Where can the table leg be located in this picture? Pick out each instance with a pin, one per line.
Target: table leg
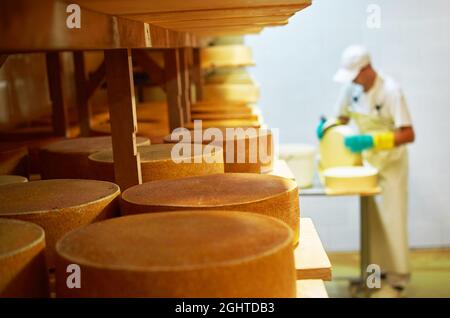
(365, 247)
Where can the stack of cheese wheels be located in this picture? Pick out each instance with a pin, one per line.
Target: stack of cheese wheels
(249, 149)
(263, 194)
(166, 161)
(9, 179)
(23, 271)
(180, 254)
(231, 92)
(13, 159)
(68, 159)
(226, 56)
(351, 179)
(60, 205)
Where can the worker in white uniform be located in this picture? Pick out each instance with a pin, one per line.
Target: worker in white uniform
(375, 102)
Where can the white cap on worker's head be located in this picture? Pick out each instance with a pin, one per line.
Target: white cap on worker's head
(354, 59)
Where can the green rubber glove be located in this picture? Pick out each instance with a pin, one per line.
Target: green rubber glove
(319, 129)
(359, 143)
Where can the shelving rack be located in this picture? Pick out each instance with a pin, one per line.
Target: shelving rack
(125, 30)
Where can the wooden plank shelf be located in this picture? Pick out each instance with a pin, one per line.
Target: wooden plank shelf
(311, 260)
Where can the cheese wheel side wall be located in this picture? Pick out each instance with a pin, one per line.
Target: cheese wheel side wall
(274, 275)
(24, 274)
(285, 207)
(152, 171)
(63, 165)
(57, 223)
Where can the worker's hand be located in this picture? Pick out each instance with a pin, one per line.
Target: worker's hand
(320, 128)
(378, 141)
(359, 143)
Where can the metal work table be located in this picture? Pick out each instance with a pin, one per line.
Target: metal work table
(318, 190)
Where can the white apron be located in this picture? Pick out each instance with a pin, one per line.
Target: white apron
(388, 232)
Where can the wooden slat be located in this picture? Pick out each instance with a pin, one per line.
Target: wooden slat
(60, 120)
(122, 109)
(185, 84)
(197, 75)
(311, 260)
(212, 14)
(84, 112)
(311, 288)
(31, 26)
(144, 6)
(173, 88)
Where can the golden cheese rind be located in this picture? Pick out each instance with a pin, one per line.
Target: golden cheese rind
(181, 254)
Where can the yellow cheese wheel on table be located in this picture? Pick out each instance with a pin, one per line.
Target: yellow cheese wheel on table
(59, 206)
(263, 194)
(180, 254)
(68, 159)
(23, 271)
(158, 163)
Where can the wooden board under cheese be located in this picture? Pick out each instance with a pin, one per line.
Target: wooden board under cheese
(217, 254)
(68, 159)
(263, 194)
(23, 271)
(59, 206)
(158, 162)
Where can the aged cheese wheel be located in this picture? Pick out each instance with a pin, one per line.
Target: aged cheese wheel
(59, 205)
(68, 159)
(221, 116)
(23, 271)
(231, 92)
(249, 150)
(157, 162)
(229, 76)
(263, 194)
(13, 159)
(227, 123)
(8, 179)
(226, 56)
(351, 179)
(180, 254)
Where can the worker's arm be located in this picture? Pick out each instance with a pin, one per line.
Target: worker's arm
(404, 135)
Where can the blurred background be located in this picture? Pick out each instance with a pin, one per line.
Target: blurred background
(295, 65)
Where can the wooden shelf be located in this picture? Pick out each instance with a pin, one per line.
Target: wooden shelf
(281, 169)
(311, 260)
(311, 288)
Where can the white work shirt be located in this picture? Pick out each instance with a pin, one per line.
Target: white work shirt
(384, 100)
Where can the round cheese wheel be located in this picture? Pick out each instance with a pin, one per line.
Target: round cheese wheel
(59, 205)
(68, 159)
(333, 152)
(231, 92)
(351, 179)
(23, 272)
(263, 194)
(181, 254)
(162, 162)
(226, 56)
(249, 149)
(13, 159)
(8, 179)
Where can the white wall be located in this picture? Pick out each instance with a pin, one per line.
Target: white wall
(295, 64)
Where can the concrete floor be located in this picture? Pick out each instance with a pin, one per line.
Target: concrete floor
(430, 273)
